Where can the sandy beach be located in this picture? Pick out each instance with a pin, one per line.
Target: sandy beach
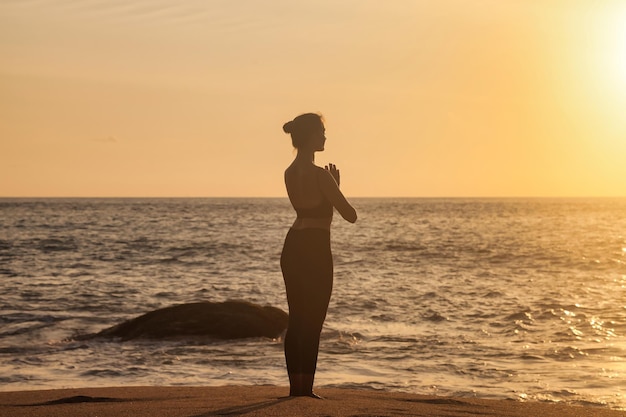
(266, 401)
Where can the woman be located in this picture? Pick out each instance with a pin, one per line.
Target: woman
(306, 260)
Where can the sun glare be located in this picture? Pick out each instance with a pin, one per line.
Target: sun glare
(617, 74)
(603, 41)
(606, 55)
(617, 45)
(619, 50)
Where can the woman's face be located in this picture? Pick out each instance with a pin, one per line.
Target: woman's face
(318, 139)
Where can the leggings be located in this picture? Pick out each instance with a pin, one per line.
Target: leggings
(307, 266)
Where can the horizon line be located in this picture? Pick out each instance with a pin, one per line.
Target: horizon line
(350, 197)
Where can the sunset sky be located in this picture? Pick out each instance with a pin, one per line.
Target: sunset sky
(421, 98)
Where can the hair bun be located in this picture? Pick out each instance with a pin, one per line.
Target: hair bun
(288, 127)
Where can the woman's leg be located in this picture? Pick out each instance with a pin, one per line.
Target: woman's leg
(307, 269)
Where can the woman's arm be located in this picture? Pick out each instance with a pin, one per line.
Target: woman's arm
(329, 185)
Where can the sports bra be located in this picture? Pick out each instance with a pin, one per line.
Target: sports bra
(323, 210)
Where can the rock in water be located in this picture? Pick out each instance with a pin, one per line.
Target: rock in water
(227, 320)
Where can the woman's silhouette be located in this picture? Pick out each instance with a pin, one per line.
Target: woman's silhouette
(306, 259)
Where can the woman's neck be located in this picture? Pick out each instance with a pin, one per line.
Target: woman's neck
(305, 156)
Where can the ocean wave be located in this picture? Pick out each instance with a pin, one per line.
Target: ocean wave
(105, 373)
(55, 244)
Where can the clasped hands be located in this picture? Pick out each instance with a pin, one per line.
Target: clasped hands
(332, 168)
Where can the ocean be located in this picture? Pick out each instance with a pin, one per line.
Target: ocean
(522, 299)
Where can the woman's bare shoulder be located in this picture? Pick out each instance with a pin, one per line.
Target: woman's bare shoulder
(298, 170)
(322, 172)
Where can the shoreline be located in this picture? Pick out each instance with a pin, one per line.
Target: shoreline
(261, 401)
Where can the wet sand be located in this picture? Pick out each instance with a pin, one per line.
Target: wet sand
(267, 401)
